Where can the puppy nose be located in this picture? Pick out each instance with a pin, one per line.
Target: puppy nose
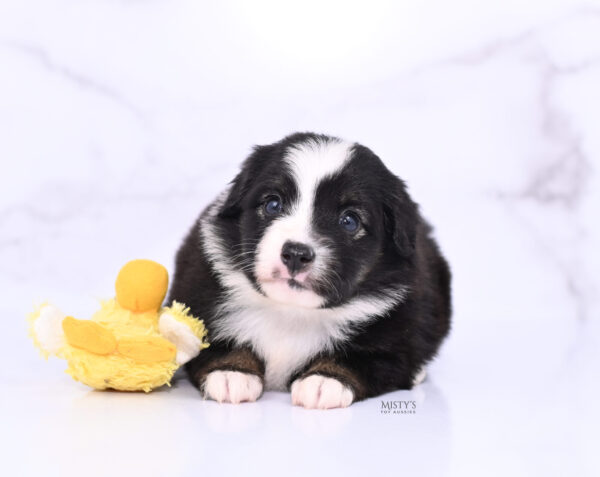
(296, 256)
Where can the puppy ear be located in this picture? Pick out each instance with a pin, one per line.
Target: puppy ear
(239, 187)
(401, 218)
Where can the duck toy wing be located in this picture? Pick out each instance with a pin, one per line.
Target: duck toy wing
(131, 343)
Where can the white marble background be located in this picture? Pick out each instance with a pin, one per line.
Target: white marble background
(120, 120)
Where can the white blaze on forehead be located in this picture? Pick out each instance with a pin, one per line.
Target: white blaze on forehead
(311, 162)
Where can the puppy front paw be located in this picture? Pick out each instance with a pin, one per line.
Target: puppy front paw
(320, 392)
(232, 386)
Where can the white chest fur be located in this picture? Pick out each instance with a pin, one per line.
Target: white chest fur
(284, 339)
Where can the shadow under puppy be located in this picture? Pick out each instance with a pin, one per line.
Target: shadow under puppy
(313, 272)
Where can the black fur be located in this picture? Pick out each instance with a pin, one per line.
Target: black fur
(396, 250)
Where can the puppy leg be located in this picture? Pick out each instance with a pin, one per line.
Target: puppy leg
(326, 384)
(320, 392)
(228, 375)
(340, 380)
(420, 376)
(232, 386)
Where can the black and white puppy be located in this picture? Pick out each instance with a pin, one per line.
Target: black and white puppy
(315, 273)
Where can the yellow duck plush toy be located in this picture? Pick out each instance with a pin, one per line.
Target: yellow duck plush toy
(131, 343)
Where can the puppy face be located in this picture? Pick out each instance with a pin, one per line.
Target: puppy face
(309, 218)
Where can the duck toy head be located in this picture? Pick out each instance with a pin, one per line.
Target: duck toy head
(131, 343)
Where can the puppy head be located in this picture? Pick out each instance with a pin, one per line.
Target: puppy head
(311, 218)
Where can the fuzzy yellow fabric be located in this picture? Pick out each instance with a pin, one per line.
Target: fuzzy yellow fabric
(117, 372)
(151, 349)
(139, 358)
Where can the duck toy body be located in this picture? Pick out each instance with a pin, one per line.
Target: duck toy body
(131, 343)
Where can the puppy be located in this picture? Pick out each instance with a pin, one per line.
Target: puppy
(315, 273)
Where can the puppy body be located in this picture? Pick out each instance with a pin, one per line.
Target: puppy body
(359, 313)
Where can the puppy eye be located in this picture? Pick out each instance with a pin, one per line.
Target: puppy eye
(350, 221)
(273, 206)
